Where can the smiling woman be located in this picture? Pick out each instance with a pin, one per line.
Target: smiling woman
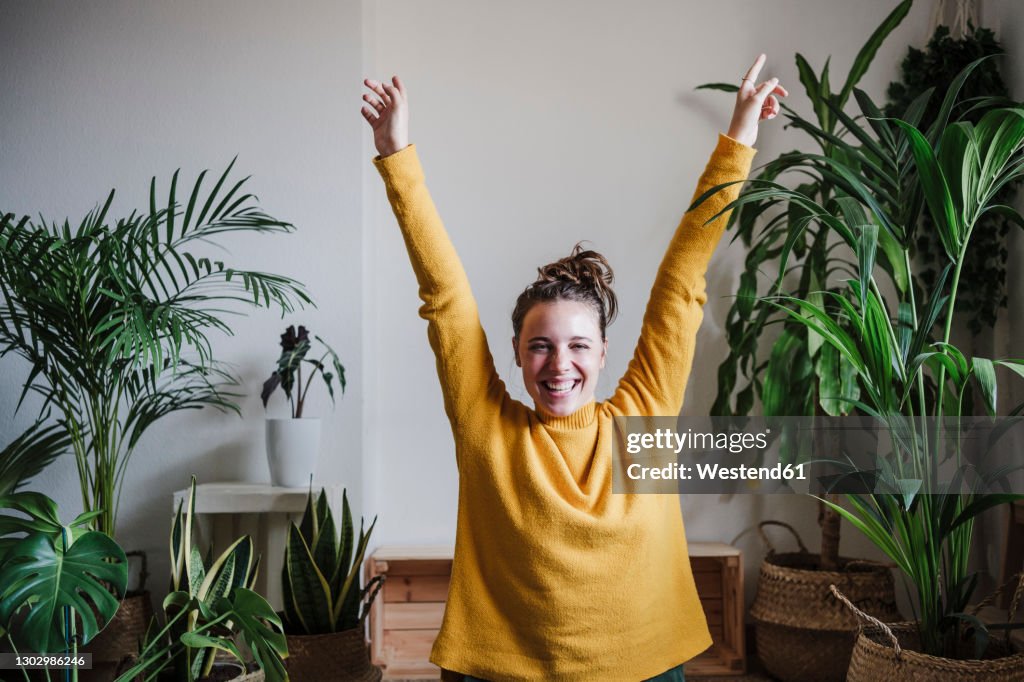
(559, 327)
(554, 577)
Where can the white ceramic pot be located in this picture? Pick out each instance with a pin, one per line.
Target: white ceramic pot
(292, 449)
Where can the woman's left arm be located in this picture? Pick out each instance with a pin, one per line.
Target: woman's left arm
(655, 381)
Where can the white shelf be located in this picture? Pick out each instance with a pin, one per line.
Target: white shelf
(252, 498)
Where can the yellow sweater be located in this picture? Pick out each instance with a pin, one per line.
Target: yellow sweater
(556, 578)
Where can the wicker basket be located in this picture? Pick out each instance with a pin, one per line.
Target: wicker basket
(802, 632)
(121, 636)
(341, 656)
(886, 652)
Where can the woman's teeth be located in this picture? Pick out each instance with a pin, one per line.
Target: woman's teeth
(559, 386)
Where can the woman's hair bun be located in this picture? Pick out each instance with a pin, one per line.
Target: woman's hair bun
(579, 267)
(584, 275)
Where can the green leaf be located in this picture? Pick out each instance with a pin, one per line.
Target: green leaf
(196, 572)
(775, 396)
(936, 190)
(1013, 365)
(196, 640)
(982, 503)
(41, 510)
(870, 48)
(232, 569)
(261, 630)
(311, 599)
(985, 373)
(936, 130)
(346, 544)
(42, 579)
(350, 588)
(325, 551)
(867, 246)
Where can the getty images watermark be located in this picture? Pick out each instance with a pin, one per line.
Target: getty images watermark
(817, 455)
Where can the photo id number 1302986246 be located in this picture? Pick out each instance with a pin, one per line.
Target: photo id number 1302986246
(29, 661)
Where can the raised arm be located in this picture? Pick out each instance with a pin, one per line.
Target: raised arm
(655, 381)
(464, 363)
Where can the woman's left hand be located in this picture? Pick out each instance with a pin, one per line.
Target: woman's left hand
(754, 104)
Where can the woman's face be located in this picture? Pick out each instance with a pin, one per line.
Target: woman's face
(561, 352)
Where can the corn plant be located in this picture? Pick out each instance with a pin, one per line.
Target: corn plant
(798, 376)
(211, 603)
(793, 375)
(113, 318)
(320, 578)
(897, 344)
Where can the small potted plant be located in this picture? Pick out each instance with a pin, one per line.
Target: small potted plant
(293, 443)
(212, 610)
(324, 605)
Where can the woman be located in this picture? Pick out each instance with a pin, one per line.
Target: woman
(555, 577)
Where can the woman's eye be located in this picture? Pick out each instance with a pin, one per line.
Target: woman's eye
(538, 349)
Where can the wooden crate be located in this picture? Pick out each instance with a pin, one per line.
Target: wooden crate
(406, 617)
(718, 572)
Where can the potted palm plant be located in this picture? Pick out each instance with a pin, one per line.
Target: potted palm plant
(800, 629)
(211, 609)
(293, 443)
(898, 346)
(324, 605)
(59, 585)
(113, 318)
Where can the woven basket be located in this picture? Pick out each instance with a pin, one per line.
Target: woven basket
(886, 652)
(121, 636)
(341, 656)
(802, 632)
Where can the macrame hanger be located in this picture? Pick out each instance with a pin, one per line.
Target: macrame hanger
(965, 14)
(938, 15)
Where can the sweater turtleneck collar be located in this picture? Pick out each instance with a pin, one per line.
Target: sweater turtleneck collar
(579, 419)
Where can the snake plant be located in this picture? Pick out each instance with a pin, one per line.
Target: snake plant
(211, 604)
(320, 578)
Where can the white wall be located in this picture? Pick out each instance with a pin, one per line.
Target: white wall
(108, 94)
(539, 124)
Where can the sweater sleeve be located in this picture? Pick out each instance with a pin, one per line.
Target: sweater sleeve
(464, 363)
(655, 380)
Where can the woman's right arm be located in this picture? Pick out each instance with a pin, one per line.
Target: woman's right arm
(464, 363)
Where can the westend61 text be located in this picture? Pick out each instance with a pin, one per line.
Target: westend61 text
(667, 439)
(715, 472)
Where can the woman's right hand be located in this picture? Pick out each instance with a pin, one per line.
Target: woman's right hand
(388, 115)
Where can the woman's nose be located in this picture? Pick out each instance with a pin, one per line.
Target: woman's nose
(560, 359)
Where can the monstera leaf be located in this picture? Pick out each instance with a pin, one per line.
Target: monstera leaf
(39, 575)
(262, 631)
